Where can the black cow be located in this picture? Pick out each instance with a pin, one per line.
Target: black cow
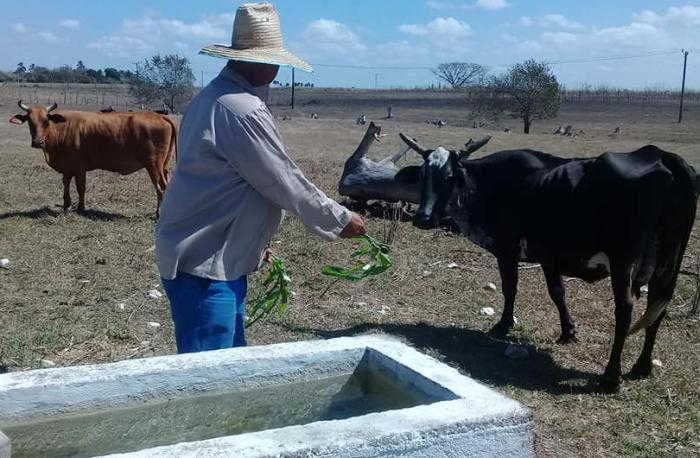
(624, 215)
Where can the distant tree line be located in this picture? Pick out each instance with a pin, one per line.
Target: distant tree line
(66, 74)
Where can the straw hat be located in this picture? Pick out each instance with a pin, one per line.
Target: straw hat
(257, 37)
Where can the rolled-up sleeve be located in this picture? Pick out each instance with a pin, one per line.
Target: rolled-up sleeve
(252, 145)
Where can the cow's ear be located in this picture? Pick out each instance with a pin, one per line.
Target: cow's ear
(19, 119)
(57, 118)
(408, 175)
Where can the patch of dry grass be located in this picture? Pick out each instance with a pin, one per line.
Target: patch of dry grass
(60, 299)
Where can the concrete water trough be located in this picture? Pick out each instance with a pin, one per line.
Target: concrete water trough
(347, 397)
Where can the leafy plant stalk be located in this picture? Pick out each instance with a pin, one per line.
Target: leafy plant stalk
(275, 294)
(372, 258)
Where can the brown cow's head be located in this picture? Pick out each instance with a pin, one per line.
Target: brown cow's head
(40, 118)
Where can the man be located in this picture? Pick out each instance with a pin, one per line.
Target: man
(230, 186)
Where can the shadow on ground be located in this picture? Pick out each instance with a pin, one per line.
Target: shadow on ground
(48, 212)
(480, 356)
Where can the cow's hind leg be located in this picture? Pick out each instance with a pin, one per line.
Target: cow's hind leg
(80, 187)
(66, 191)
(622, 290)
(555, 286)
(508, 268)
(159, 182)
(642, 368)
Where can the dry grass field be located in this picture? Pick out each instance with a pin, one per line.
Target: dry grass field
(60, 298)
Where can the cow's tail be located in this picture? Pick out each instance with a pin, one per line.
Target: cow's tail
(173, 140)
(676, 225)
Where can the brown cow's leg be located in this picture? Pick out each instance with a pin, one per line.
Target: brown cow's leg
(80, 187)
(158, 181)
(66, 191)
(508, 268)
(555, 286)
(622, 290)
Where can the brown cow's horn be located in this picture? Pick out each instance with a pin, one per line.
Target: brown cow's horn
(23, 106)
(411, 142)
(52, 107)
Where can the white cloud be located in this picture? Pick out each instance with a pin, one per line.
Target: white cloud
(447, 5)
(120, 46)
(211, 27)
(71, 24)
(48, 37)
(332, 38)
(551, 21)
(492, 4)
(139, 36)
(685, 16)
(19, 28)
(446, 37)
(440, 29)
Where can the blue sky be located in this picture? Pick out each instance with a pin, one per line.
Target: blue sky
(411, 34)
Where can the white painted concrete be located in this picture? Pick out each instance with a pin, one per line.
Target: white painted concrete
(465, 418)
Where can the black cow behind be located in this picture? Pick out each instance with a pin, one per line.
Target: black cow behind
(624, 215)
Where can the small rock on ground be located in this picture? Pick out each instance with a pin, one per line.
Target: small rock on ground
(154, 294)
(5, 263)
(657, 363)
(153, 324)
(488, 311)
(490, 286)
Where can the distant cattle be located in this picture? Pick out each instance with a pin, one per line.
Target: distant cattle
(623, 215)
(75, 142)
(109, 109)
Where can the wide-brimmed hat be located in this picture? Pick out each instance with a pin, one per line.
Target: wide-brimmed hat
(257, 37)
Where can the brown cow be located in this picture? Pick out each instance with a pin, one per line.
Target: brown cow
(75, 142)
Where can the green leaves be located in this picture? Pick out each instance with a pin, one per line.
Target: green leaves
(275, 295)
(371, 259)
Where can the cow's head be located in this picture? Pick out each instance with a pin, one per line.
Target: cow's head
(443, 173)
(39, 118)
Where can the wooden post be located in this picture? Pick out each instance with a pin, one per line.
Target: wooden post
(685, 63)
(293, 85)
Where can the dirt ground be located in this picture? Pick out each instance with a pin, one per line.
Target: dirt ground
(75, 291)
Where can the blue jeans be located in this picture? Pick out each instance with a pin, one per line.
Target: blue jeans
(208, 314)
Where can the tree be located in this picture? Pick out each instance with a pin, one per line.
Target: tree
(80, 66)
(529, 89)
(461, 74)
(21, 70)
(167, 79)
(112, 74)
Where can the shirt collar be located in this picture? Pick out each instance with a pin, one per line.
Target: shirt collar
(237, 78)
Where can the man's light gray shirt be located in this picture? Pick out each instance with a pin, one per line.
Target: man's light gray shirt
(230, 186)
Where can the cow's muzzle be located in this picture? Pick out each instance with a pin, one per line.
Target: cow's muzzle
(39, 144)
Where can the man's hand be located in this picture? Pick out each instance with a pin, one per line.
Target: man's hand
(355, 227)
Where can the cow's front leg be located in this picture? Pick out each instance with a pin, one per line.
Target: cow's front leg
(555, 286)
(80, 187)
(66, 191)
(508, 268)
(622, 291)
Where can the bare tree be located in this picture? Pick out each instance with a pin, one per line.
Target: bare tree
(528, 89)
(461, 74)
(167, 79)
